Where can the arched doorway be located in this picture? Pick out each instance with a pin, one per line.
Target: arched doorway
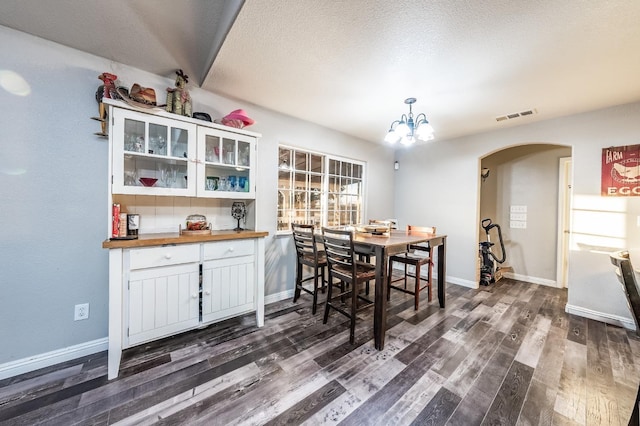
(522, 194)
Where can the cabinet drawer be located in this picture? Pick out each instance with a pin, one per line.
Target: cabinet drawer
(163, 256)
(225, 249)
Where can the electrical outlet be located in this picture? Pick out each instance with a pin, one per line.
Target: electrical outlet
(81, 312)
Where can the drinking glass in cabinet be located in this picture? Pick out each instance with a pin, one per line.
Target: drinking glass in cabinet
(133, 135)
(212, 149)
(157, 139)
(243, 154)
(243, 185)
(212, 183)
(229, 151)
(223, 185)
(168, 175)
(131, 177)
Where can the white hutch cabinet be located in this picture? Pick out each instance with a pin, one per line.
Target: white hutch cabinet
(163, 283)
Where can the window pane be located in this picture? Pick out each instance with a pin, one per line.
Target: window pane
(317, 164)
(357, 171)
(334, 167)
(284, 179)
(334, 184)
(301, 161)
(284, 159)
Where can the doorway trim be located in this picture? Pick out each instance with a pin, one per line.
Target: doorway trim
(565, 174)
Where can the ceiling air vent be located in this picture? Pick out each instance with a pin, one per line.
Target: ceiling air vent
(516, 115)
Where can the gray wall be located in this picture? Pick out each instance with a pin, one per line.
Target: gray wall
(53, 173)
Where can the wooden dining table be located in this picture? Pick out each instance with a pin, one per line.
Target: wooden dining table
(390, 243)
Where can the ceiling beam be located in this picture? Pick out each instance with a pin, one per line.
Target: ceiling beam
(229, 14)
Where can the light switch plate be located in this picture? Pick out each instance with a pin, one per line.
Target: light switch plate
(518, 216)
(518, 224)
(518, 209)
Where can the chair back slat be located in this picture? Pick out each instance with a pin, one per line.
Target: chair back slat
(421, 230)
(338, 245)
(626, 276)
(304, 240)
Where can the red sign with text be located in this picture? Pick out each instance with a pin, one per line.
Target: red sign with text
(621, 171)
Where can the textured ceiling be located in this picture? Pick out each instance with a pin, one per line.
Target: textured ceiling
(349, 65)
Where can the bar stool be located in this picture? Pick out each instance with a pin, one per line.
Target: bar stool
(307, 254)
(350, 274)
(417, 256)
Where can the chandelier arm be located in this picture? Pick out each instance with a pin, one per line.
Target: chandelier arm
(394, 123)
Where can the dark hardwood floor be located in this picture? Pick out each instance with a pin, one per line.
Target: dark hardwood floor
(503, 355)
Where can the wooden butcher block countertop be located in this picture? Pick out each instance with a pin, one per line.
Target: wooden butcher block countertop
(148, 240)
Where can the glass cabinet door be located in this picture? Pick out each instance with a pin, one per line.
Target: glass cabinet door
(151, 155)
(226, 171)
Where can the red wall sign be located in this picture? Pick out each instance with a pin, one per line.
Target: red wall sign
(621, 171)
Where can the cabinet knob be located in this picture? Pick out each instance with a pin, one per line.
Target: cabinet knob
(208, 293)
(230, 248)
(167, 256)
(194, 295)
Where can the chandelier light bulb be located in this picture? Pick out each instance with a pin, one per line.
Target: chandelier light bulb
(392, 137)
(402, 129)
(425, 132)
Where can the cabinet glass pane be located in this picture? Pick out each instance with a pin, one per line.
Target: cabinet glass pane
(157, 139)
(212, 149)
(228, 151)
(244, 154)
(134, 140)
(179, 142)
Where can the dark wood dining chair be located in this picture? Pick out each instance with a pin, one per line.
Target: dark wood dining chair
(307, 254)
(627, 277)
(347, 274)
(417, 255)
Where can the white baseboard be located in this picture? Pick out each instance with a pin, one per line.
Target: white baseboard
(36, 362)
(459, 281)
(600, 316)
(276, 297)
(533, 280)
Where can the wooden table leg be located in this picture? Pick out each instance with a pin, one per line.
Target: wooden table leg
(380, 307)
(442, 261)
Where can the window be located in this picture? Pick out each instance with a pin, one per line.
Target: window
(318, 189)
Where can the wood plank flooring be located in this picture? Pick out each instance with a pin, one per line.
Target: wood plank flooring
(503, 355)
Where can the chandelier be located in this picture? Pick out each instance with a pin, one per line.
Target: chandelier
(407, 129)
